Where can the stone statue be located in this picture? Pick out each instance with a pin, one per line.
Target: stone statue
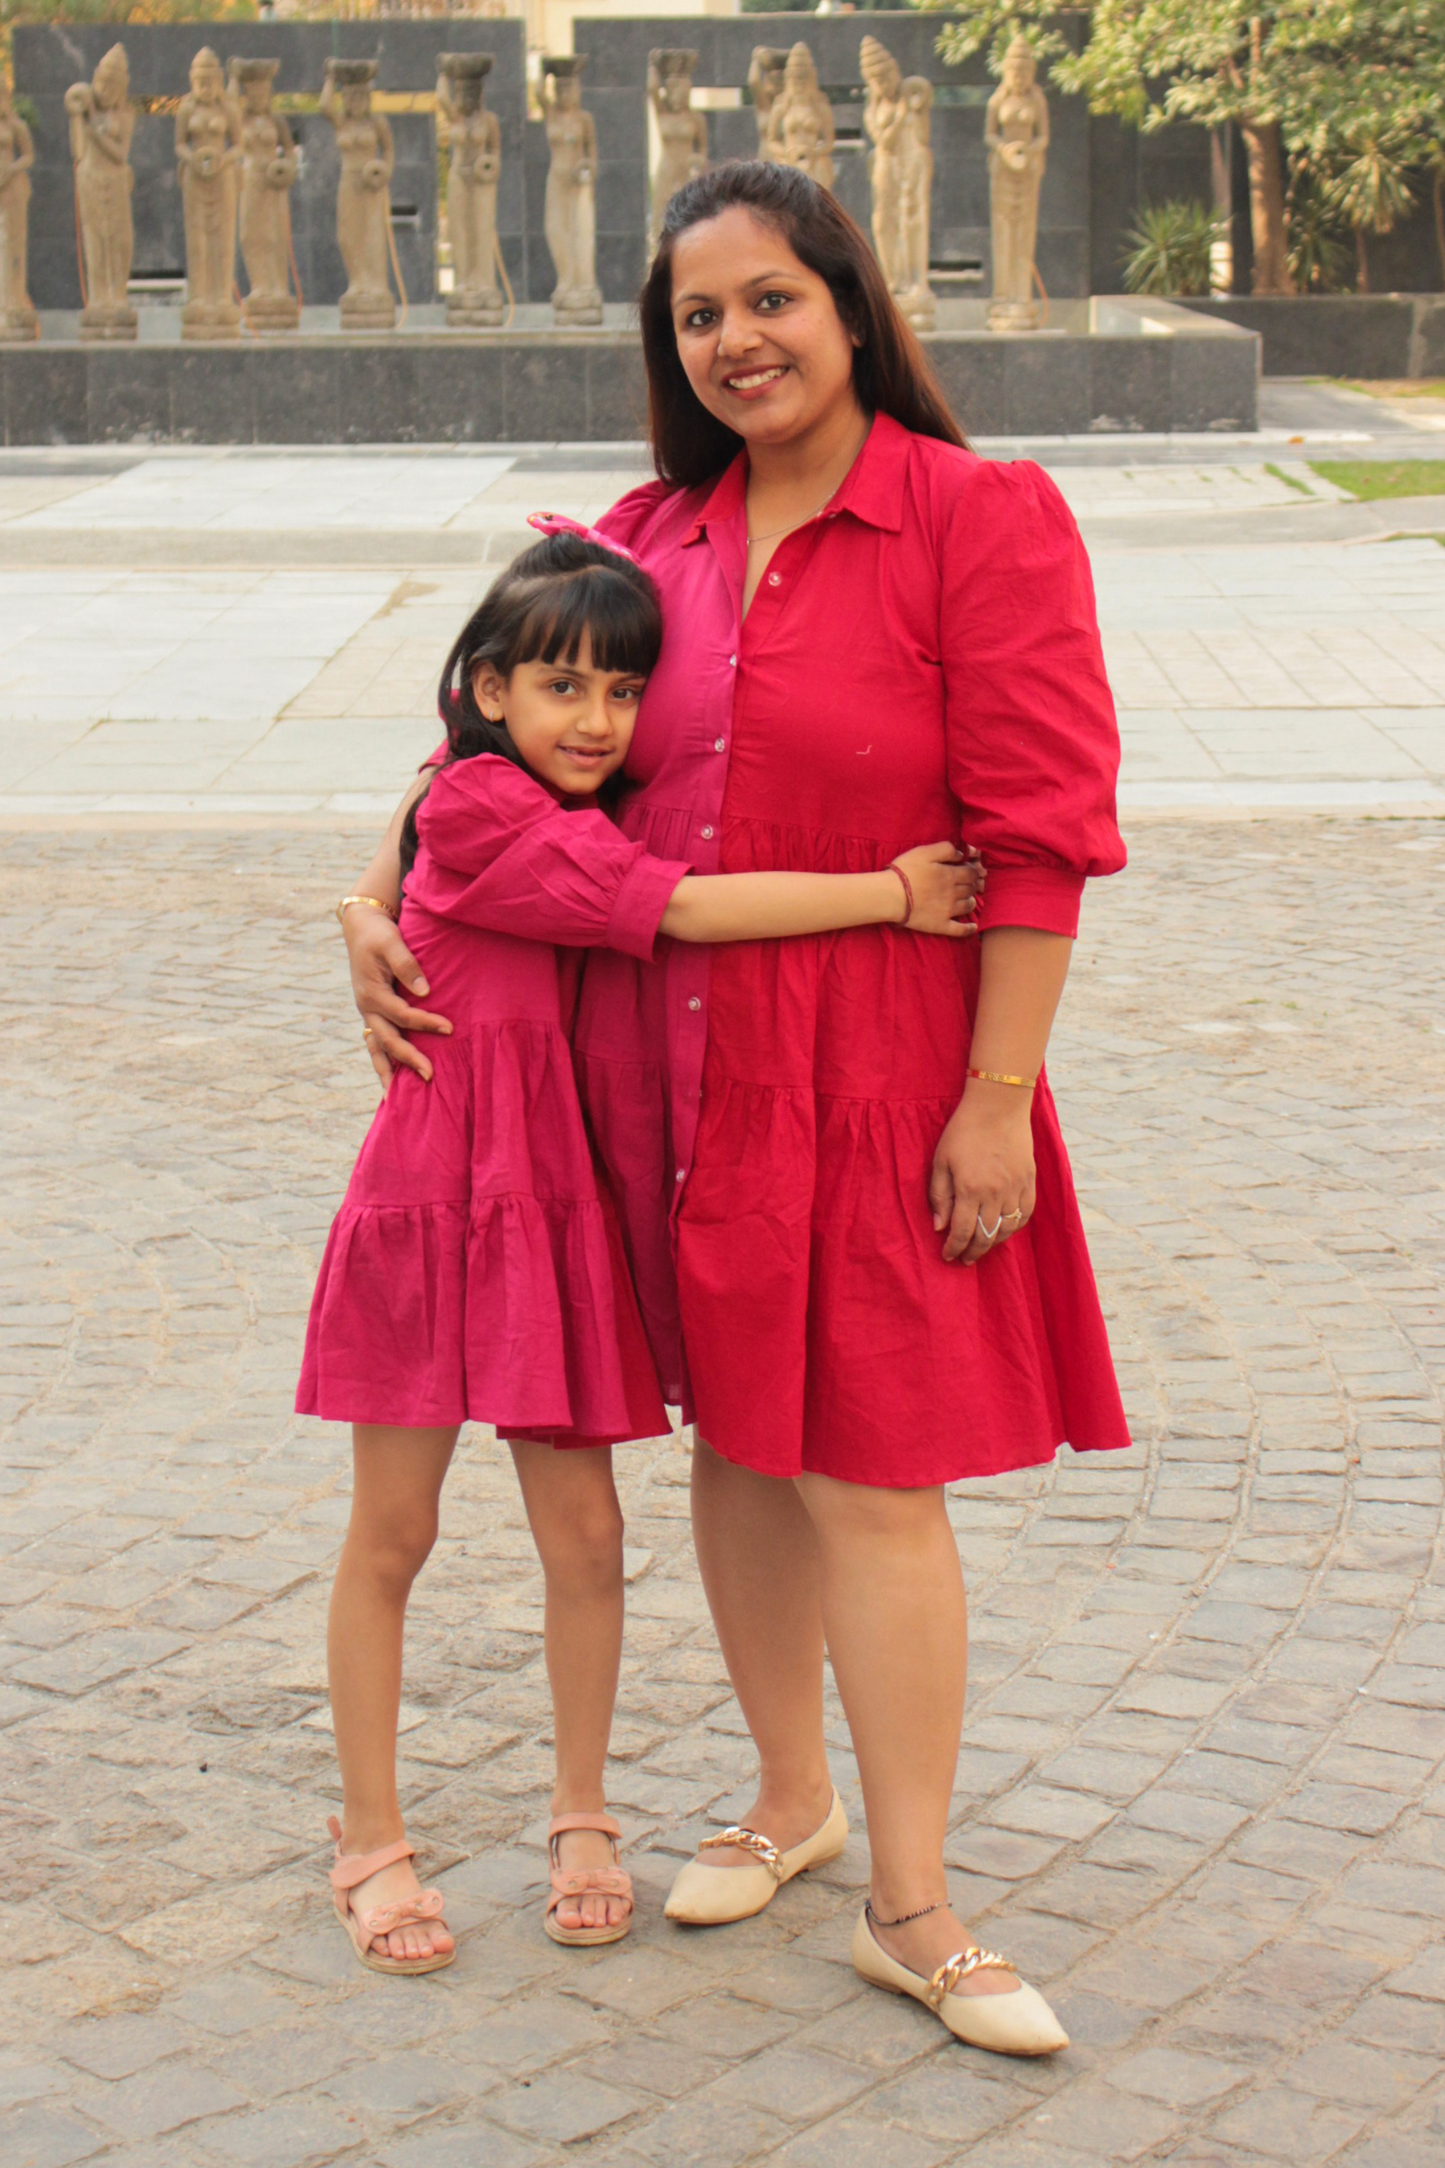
(886, 121)
(472, 175)
(800, 126)
(915, 204)
(570, 220)
(102, 122)
(268, 174)
(208, 157)
(765, 81)
(363, 195)
(682, 134)
(1016, 133)
(18, 319)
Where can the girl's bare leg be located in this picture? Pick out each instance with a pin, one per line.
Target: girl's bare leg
(897, 1627)
(758, 1555)
(398, 1480)
(576, 1521)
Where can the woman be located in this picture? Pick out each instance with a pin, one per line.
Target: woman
(865, 629)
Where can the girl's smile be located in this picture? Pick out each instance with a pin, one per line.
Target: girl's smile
(571, 723)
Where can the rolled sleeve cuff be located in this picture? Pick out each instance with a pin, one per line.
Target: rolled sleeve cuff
(644, 895)
(1044, 897)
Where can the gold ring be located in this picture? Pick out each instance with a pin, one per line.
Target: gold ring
(366, 1031)
(1011, 1216)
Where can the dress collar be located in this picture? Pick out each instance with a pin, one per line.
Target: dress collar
(872, 490)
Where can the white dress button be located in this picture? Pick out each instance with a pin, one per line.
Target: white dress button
(707, 835)
(775, 579)
(732, 662)
(693, 1002)
(682, 1174)
(719, 745)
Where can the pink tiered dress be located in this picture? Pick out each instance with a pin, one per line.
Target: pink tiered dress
(475, 1270)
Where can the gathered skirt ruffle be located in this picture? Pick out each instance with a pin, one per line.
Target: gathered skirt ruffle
(509, 1305)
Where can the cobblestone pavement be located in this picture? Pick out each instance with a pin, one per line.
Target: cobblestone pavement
(1208, 1695)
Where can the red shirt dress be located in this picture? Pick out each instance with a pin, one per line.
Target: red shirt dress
(921, 663)
(475, 1270)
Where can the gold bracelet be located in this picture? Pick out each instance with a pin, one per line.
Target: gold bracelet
(375, 902)
(993, 1076)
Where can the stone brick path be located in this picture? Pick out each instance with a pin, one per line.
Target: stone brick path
(1208, 1696)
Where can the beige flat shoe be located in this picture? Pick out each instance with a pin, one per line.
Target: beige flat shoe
(707, 1896)
(1019, 2023)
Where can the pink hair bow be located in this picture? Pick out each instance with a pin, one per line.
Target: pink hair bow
(559, 523)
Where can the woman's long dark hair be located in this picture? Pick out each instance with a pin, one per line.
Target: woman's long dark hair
(540, 609)
(890, 370)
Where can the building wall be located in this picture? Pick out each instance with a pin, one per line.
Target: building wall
(613, 88)
(49, 58)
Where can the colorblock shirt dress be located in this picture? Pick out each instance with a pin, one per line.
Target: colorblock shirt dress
(476, 1269)
(920, 663)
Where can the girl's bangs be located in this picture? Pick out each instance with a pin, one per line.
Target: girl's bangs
(620, 620)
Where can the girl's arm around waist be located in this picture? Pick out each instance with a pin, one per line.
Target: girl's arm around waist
(930, 890)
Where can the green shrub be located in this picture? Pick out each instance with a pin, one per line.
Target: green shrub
(1170, 249)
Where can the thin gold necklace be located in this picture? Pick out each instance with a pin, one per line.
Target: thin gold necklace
(793, 525)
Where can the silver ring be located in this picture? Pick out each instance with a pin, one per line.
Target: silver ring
(990, 1234)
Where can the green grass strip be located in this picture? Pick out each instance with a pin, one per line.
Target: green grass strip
(1368, 479)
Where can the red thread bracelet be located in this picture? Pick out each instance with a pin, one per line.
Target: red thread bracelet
(907, 890)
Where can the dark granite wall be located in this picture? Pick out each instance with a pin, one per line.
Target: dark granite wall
(617, 69)
(49, 58)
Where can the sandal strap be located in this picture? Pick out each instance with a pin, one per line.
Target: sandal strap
(603, 1823)
(590, 1882)
(427, 1904)
(353, 1867)
(958, 1967)
(748, 1840)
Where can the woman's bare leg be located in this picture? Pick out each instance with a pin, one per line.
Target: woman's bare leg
(897, 1628)
(398, 1480)
(576, 1522)
(758, 1556)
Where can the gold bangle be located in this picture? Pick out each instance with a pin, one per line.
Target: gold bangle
(375, 902)
(993, 1076)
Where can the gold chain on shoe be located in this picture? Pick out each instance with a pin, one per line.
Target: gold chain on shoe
(748, 1840)
(958, 1967)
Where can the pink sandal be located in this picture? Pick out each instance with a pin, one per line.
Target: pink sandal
(365, 1928)
(611, 1881)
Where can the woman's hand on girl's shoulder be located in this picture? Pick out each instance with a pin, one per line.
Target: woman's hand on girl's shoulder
(943, 885)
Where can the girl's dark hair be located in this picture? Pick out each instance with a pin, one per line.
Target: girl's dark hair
(890, 371)
(539, 610)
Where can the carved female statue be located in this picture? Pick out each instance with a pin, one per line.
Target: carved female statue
(1016, 133)
(208, 154)
(682, 134)
(765, 81)
(102, 122)
(363, 195)
(885, 118)
(268, 173)
(472, 176)
(570, 220)
(800, 126)
(915, 204)
(17, 155)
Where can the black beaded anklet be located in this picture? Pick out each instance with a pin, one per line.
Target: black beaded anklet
(921, 1914)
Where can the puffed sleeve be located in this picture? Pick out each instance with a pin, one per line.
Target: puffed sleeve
(1033, 744)
(498, 851)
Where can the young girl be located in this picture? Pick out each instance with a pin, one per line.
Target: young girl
(475, 1271)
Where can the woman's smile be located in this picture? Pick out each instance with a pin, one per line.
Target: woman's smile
(756, 381)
